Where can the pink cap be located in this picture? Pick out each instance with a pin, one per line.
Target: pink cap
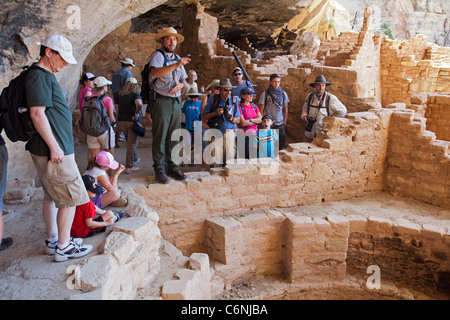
(106, 159)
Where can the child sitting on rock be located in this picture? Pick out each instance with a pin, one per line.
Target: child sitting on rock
(106, 171)
(85, 223)
(265, 138)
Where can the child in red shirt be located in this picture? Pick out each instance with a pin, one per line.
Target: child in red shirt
(84, 223)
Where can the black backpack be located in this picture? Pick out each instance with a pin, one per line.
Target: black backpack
(145, 90)
(15, 114)
(94, 119)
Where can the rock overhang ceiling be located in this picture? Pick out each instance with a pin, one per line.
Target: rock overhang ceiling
(255, 19)
(262, 20)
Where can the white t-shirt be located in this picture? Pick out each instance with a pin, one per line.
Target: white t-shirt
(95, 172)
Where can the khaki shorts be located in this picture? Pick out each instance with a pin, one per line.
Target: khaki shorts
(102, 141)
(61, 181)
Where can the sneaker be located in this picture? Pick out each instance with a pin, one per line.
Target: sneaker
(51, 246)
(6, 243)
(137, 161)
(119, 214)
(72, 251)
(132, 169)
(121, 137)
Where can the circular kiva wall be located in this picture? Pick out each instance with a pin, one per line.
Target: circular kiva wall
(331, 249)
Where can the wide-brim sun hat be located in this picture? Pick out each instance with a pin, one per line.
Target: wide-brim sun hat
(194, 93)
(60, 44)
(161, 33)
(128, 61)
(225, 83)
(320, 79)
(213, 83)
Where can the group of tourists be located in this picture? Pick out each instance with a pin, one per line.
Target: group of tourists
(222, 114)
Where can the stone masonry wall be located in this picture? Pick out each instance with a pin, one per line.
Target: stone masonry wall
(405, 72)
(417, 164)
(347, 160)
(326, 250)
(438, 115)
(409, 254)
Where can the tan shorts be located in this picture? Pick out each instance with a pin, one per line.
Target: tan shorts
(102, 141)
(61, 181)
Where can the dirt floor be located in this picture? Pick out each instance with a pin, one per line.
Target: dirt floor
(27, 273)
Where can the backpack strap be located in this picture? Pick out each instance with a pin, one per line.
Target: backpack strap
(166, 63)
(327, 102)
(308, 100)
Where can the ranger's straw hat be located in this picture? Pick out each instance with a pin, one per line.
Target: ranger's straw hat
(168, 32)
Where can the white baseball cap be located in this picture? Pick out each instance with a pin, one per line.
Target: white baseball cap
(60, 44)
(101, 82)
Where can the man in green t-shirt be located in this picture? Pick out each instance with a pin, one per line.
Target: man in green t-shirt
(52, 149)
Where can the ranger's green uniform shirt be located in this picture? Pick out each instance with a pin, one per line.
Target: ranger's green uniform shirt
(43, 90)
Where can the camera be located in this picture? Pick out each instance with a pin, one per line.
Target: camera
(227, 112)
(310, 123)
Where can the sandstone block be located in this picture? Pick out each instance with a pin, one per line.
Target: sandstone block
(199, 261)
(138, 227)
(98, 272)
(121, 245)
(320, 172)
(223, 238)
(174, 290)
(432, 231)
(19, 191)
(340, 143)
(406, 227)
(419, 98)
(396, 105)
(379, 226)
(240, 169)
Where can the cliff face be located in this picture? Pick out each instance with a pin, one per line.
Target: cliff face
(24, 23)
(406, 18)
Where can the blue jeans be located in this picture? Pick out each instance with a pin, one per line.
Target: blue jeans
(3, 172)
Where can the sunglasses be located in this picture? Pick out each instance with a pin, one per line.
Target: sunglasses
(227, 90)
(237, 74)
